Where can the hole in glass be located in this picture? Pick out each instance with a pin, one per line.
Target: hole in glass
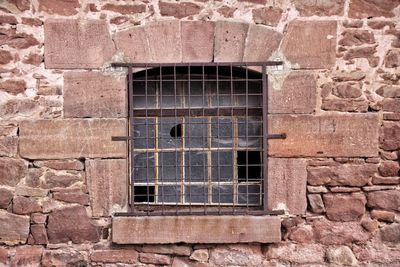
(144, 193)
(176, 131)
(249, 165)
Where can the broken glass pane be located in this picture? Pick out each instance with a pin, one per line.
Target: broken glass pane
(222, 193)
(169, 194)
(143, 170)
(196, 194)
(249, 194)
(167, 133)
(221, 132)
(169, 166)
(249, 166)
(196, 166)
(143, 193)
(196, 132)
(250, 132)
(143, 133)
(222, 167)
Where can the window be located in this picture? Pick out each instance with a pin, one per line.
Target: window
(196, 138)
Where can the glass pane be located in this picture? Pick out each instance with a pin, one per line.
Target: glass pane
(221, 132)
(249, 166)
(222, 193)
(143, 133)
(141, 99)
(249, 194)
(169, 168)
(169, 194)
(143, 193)
(196, 132)
(221, 96)
(144, 170)
(168, 133)
(250, 132)
(196, 96)
(250, 96)
(222, 166)
(196, 166)
(169, 96)
(196, 194)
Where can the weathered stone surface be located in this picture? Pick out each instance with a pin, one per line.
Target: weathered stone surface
(295, 95)
(389, 91)
(115, 256)
(196, 44)
(13, 87)
(76, 44)
(27, 256)
(391, 233)
(195, 229)
(267, 15)
(256, 49)
(392, 59)
(5, 57)
(168, 249)
(22, 41)
(380, 24)
(385, 180)
(3, 256)
(59, 7)
(287, 180)
(179, 9)
(6, 196)
(12, 171)
(391, 104)
(300, 254)
(345, 105)
(356, 38)
(151, 258)
(302, 234)
(226, 11)
(348, 76)
(59, 139)
(133, 43)
(389, 168)
(107, 180)
(342, 256)
(325, 136)
(316, 203)
(72, 197)
(200, 255)
(378, 254)
(319, 8)
(370, 8)
(8, 146)
(360, 52)
(339, 233)
(347, 90)
(39, 234)
(229, 41)
(71, 224)
(23, 190)
(69, 164)
(344, 208)
(378, 188)
(53, 180)
(33, 59)
(93, 94)
(386, 200)
(236, 255)
(8, 19)
(344, 189)
(382, 215)
(345, 174)
(316, 189)
(63, 257)
(164, 41)
(310, 44)
(35, 22)
(14, 229)
(389, 136)
(125, 9)
(25, 205)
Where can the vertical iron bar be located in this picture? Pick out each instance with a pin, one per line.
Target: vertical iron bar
(130, 106)
(147, 147)
(233, 102)
(162, 155)
(218, 151)
(247, 139)
(176, 149)
(191, 144)
(265, 136)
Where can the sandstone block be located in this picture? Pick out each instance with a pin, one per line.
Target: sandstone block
(319, 8)
(236, 255)
(25, 205)
(93, 94)
(178, 10)
(325, 136)
(261, 42)
(229, 41)
(369, 8)
(387, 200)
(107, 182)
(13, 87)
(316, 203)
(71, 224)
(151, 258)
(389, 168)
(196, 44)
(27, 256)
(300, 254)
(389, 136)
(115, 256)
(342, 256)
(267, 15)
(124, 9)
(72, 197)
(295, 95)
(345, 105)
(168, 249)
(392, 59)
(39, 234)
(6, 196)
(14, 229)
(391, 233)
(133, 43)
(63, 8)
(344, 208)
(200, 255)
(53, 180)
(389, 91)
(68, 164)
(356, 38)
(12, 171)
(59, 139)
(78, 44)
(382, 215)
(310, 44)
(287, 180)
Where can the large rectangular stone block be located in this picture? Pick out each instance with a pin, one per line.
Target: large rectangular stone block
(76, 44)
(133, 43)
(197, 41)
(261, 42)
(72, 138)
(229, 41)
(331, 135)
(287, 182)
(93, 94)
(195, 229)
(108, 185)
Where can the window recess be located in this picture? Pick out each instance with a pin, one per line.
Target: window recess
(196, 141)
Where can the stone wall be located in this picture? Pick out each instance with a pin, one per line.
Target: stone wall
(337, 98)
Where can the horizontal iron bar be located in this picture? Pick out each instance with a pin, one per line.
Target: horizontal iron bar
(120, 138)
(226, 111)
(277, 136)
(206, 64)
(200, 213)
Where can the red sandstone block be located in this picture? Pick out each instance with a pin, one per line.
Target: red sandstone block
(133, 43)
(115, 256)
(340, 207)
(229, 41)
(197, 41)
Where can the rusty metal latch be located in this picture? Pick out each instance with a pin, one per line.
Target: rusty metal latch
(277, 136)
(120, 138)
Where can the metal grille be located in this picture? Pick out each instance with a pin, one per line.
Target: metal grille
(196, 138)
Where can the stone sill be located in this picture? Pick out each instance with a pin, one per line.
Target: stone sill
(195, 229)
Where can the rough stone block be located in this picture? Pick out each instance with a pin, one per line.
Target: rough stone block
(93, 94)
(133, 43)
(74, 44)
(229, 41)
(115, 256)
(319, 8)
(370, 8)
(385, 200)
(296, 94)
(340, 207)
(287, 181)
(310, 44)
(195, 229)
(330, 135)
(389, 136)
(107, 181)
(261, 42)
(63, 8)
(197, 41)
(14, 229)
(72, 138)
(12, 171)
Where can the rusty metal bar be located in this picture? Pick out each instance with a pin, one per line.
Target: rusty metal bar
(154, 65)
